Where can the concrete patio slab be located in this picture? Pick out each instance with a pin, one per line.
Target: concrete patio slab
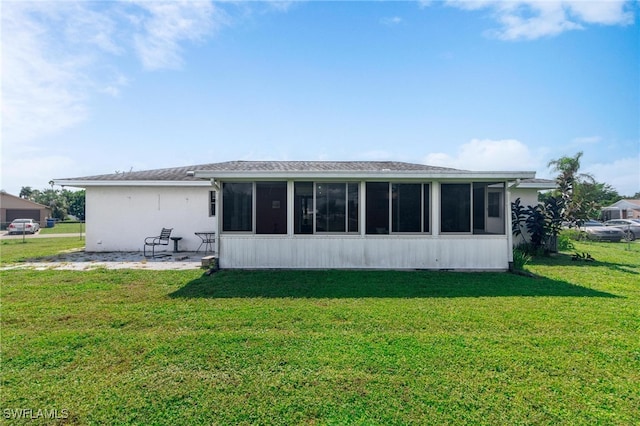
(82, 261)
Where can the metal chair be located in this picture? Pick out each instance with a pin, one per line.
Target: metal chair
(160, 240)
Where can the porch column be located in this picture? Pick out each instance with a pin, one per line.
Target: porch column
(507, 216)
(290, 208)
(435, 208)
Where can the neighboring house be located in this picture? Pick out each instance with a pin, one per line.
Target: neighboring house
(12, 207)
(314, 214)
(623, 209)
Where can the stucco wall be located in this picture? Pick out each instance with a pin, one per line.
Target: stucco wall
(528, 197)
(119, 218)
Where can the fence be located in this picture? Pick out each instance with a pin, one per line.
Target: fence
(52, 228)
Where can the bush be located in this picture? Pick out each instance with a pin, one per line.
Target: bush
(571, 235)
(531, 250)
(564, 242)
(521, 256)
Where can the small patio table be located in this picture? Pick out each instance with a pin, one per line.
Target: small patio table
(175, 243)
(208, 240)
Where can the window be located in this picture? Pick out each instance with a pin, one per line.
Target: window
(271, 208)
(303, 207)
(426, 208)
(408, 211)
(352, 207)
(455, 207)
(479, 209)
(406, 207)
(377, 213)
(495, 204)
(212, 203)
(472, 207)
(237, 206)
(329, 206)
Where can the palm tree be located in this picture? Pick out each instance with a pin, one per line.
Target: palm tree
(26, 192)
(573, 208)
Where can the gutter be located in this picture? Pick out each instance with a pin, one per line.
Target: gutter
(380, 175)
(103, 183)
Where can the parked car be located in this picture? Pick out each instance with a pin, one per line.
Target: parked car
(596, 231)
(630, 227)
(20, 226)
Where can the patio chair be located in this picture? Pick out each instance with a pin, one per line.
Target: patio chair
(160, 240)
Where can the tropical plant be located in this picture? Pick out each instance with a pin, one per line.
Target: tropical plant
(575, 190)
(541, 222)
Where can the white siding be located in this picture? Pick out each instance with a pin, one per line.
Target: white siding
(485, 252)
(119, 218)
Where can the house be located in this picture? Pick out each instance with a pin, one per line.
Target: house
(313, 214)
(623, 209)
(12, 207)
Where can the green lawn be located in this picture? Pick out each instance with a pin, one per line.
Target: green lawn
(328, 347)
(19, 250)
(64, 228)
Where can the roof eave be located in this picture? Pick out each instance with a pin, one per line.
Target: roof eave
(80, 183)
(540, 186)
(439, 175)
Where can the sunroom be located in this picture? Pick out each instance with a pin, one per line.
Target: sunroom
(361, 215)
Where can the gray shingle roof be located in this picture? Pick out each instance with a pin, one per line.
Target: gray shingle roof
(180, 173)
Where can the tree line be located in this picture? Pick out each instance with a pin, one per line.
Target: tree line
(63, 202)
(581, 196)
(577, 198)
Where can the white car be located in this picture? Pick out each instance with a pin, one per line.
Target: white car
(631, 228)
(596, 231)
(23, 226)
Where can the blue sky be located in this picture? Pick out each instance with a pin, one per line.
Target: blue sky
(97, 87)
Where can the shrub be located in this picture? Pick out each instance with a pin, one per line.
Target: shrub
(564, 242)
(572, 235)
(521, 256)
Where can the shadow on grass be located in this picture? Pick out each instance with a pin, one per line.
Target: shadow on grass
(567, 260)
(379, 284)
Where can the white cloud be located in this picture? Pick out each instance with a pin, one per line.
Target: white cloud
(586, 140)
(532, 19)
(33, 170)
(622, 174)
(43, 87)
(165, 25)
(392, 20)
(487, 154)
(56, 56)
(607, 12)
(114, 86)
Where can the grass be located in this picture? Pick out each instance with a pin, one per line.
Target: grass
(17, 250)
(328, 347)
(64, 228)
